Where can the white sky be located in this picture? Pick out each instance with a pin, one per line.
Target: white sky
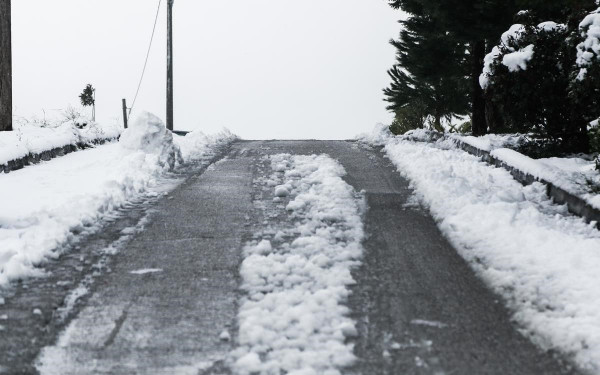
(262, 68)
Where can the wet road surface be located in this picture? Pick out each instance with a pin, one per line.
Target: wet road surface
(165, 303)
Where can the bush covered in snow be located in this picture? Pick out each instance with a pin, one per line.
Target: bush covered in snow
(527, 77)
(585, 79)
(544, 79)
(595, 140)
(410, 117)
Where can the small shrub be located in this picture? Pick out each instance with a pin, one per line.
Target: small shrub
(464, 128)
(408, 118)
(73, 115)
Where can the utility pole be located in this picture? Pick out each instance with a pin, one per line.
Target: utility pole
(5, 67)
(169, 64)
(125, 113)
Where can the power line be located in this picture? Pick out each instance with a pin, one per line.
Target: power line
(146, 62)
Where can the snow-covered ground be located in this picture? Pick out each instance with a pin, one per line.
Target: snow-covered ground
(42, 205)
(30, 139)
(293, 319)
(543, 261)
(575, 175)
(491, 142)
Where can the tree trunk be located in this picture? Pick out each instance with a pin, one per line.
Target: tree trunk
(493, 115)
(478, 101)
(577, 137)
(5, 67)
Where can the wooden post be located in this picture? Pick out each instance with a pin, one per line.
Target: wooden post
(125, 113)
(170, 65)
(5, 67)
(94, 107)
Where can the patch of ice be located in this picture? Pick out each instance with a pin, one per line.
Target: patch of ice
(428, 323)
(71, 299)
(146, 271)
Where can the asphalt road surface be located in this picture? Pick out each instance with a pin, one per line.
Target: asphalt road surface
(166, 301)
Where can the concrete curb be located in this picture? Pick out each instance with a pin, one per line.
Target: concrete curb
(35, 158)
(576, 205)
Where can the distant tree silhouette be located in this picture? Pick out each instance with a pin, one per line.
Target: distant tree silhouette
(88, 98)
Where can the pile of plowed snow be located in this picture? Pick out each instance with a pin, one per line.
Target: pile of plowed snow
(294, 319)
(42, 205)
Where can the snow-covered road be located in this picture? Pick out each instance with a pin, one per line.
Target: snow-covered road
(268, 262)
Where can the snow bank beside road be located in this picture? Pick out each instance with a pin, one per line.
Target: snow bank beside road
(293, 319)
(150, 136)
(558, 171)
(574, 175)
(491, 142)
(197, 145)
(43, 204)
(543, 261)
(28, 139)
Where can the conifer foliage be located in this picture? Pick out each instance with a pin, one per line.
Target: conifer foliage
(470, 23)
(88, 98)
(540, 76)
(428, 81)
(536, 78)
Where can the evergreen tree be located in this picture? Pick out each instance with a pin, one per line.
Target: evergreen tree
(428, 77)
(584, 89)
(473, 23)
(88, 98)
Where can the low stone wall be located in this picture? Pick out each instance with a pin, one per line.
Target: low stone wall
(577, 205)
(35, 158)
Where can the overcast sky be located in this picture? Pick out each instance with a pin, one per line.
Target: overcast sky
(262, 68)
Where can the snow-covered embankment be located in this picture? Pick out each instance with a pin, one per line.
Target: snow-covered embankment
(574, 175)
(42, 205)
(28, 143)
(293, 319)
(543, 261)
